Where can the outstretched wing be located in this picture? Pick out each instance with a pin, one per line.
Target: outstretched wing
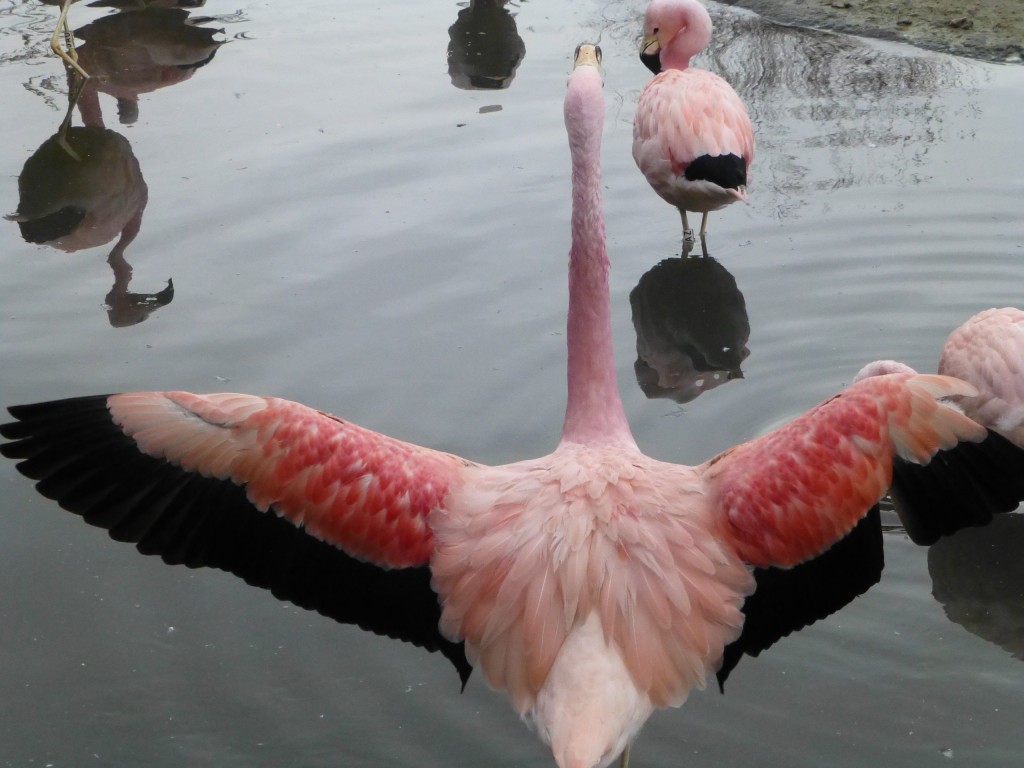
(786, 600)
(363, 492)
(789, 495)
(191, 478)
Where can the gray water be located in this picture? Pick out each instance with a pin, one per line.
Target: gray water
(346, 227)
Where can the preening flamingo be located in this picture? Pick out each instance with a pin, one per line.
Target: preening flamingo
(593, 584)
(692, 137)
(987, 351)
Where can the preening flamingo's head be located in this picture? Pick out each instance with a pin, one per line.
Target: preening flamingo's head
(882, 368)
(674, 32)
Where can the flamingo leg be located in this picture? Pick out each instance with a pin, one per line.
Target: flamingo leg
(687, 232)
(703, 245)
(703, 225)
(70, 56)
(624, 759)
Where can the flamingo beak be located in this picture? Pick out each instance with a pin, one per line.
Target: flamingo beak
(650, 53)
(588, 55)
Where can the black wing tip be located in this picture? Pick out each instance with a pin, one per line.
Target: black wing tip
(789, 600)
(959, 488)
(82, 460)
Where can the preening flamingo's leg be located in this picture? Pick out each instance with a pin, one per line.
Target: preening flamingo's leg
(70, 56)
(624, 759)
(703, 225)
(703, 245)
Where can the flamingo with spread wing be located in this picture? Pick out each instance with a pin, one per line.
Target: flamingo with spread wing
(594, 584)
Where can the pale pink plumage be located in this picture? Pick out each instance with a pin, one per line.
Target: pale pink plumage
(987, 351)
(692, 136)
(593, 584)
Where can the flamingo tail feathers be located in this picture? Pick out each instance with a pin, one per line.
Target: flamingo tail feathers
(84, 461)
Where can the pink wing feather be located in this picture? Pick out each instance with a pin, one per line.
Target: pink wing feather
(683, 114)
(789, 495)
(361, 491)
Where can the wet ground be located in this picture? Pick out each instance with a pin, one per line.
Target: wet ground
(992, 30)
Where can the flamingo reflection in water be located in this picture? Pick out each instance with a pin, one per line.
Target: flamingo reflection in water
(484, 46)
(594, 584)
(139, 51)
(691, 328)
(69, 54)
(82, 188)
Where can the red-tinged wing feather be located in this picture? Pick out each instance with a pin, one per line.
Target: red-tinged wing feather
(789, 495)
(84, 461)
(361, 491)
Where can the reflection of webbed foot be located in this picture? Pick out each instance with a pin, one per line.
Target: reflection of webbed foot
(125, 309)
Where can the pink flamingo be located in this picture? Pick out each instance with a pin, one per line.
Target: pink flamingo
(987, 351)
(692, 137)
(593, 584)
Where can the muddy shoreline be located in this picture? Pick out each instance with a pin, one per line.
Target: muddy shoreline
(992, 30)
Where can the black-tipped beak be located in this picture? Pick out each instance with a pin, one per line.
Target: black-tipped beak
(650, 54)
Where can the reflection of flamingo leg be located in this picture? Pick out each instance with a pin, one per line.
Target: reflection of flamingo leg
(70, 56)
(62, 132)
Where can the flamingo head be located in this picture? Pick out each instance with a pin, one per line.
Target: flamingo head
(881, 368)
(674, 32)
(584, 100)
(587, 54)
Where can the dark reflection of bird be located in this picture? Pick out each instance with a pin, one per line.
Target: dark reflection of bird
(484, 46)
(141, 50)
(63, 29)
(593, 584)
(692, 137)
(978, 577)
(691, 328)
(987, 351)
(81, 189)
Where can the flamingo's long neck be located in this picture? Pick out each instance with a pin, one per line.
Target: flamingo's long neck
(594, 411)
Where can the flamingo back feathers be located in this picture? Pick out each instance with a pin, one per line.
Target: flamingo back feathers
(988, 352)
(684, 115)
(527, 553)
(789, 495)
(361, 491)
